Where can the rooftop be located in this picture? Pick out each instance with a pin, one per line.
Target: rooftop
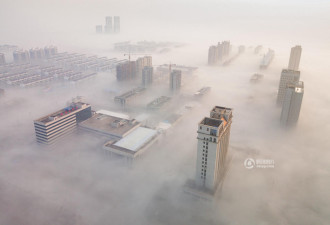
(109, 125)
(211, 122)
(131, 93)
(137, 139)
(72, 108)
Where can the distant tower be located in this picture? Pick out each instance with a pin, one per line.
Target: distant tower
(147, 74)
(141, 63)
(2, 59)
(213, 55)
(287, 76)
(108, 24)
(295, 58)
(213, 141)
(116, 24)
(292, 103)
(98, 29)
(175, 80)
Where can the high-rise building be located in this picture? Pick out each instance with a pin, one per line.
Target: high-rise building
(116, 28)
(141, 63)
(50, 51)
(53, 126)
(175, 80)
(287, 76)
(213, 55)
(2, 59)
(147, 74)
(295, 58)
(98, 29)
(292, 103)
(21, 56)
(108, 24)
(126, 70)
(37, 53)
(213, 141)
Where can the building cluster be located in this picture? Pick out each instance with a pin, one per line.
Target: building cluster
(267, 59)
(109, 27)
(291, 90)
(130, 70)
(145, 46)
(23, 56)
(217, 53)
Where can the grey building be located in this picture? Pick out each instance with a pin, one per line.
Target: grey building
(292, 103)
(108, 24)
(98, 29)
(175, 80)
(21, 56)
(116, 28)
(58, 124)
(2, 59)
(213, 55)
(126, 71)
(147, 76)
(287, 76)
(213, 141)
(295, 58)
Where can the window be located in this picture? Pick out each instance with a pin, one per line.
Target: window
(207, 147)
(214, 140)
(207, 143)
(200, 127)
(207, 129)
(203, 158)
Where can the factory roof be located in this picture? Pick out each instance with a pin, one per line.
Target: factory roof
(114, 114)
(137, 139)
(109, 125)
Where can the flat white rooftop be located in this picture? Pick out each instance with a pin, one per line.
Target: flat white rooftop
(114, 114)
(135, 140)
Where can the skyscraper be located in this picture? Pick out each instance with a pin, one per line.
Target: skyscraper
(108, 24)
(292, 103)
(147, 74)
(98, 29)
(116, 28)
(213, 55)
(141, 63)
(295, 58)
(213, 141)
(287, 76)
(126, 71)
(175, 80)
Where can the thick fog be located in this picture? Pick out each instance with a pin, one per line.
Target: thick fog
(73, 182)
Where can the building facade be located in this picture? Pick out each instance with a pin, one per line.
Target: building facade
(287, 76)
(116, 28)
(175, 80)
(147, 76)
(213, 141)
(295, 58)
(292, 103)
(108, 24)
(126, 71)
(56, 125)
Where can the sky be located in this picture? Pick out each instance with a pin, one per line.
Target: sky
(74, 183)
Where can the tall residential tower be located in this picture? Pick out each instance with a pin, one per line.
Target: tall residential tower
(295, 58)
(213, 141)
(292, 103)
(287, 76)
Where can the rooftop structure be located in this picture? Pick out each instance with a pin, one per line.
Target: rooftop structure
(124, 98)
(110, 126)
(256, 77)
(158, 103)
(202, 91)
(134, 144)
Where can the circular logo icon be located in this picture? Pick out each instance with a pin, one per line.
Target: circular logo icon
(249, 163)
